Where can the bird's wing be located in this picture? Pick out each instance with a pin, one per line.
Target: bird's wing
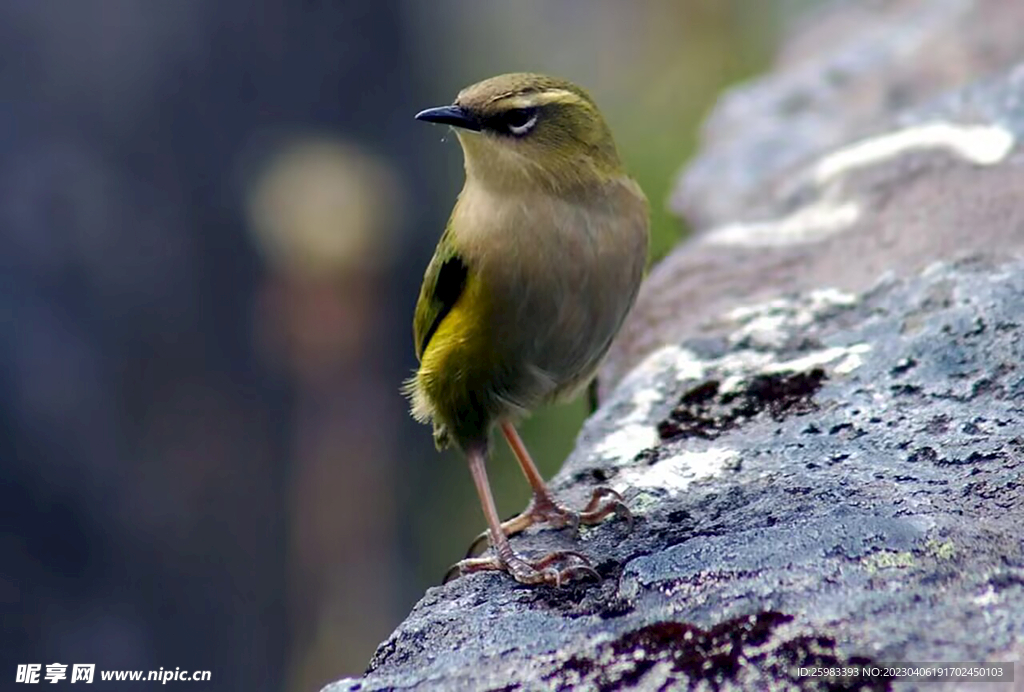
(443, 283)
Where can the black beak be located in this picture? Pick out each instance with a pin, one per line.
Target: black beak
(450, 115)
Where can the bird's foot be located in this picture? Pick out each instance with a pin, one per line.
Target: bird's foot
(543, 510)
(554, 569)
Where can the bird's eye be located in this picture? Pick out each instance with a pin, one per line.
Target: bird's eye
(519, 121)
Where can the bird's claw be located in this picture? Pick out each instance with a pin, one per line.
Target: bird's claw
(595, 512)
(543, 570)
(603, 502)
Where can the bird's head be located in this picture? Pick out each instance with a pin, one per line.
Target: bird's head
(528, 130)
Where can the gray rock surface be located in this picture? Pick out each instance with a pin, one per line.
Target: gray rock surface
(816, 411)
(840, 479)
(895, 188)
(843, 73)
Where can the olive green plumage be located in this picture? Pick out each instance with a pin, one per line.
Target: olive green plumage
(539, 264)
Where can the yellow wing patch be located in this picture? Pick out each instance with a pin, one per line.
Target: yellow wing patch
(459, 346)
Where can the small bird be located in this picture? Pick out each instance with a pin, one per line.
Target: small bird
(531, 280)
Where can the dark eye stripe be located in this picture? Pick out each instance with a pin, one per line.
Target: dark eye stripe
(503, 123)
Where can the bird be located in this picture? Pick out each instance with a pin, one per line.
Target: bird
(532, 278)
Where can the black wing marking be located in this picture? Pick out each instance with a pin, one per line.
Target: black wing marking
(442, 288)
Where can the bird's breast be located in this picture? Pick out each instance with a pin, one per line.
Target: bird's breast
(560, 273)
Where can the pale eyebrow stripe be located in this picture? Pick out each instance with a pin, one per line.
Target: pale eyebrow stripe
(539, 98)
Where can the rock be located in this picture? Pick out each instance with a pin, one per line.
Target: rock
(782, 202)
(842, 75)
(944, 184)
(840, 479)
(817, 418)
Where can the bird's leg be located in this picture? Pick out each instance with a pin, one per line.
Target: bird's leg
(543, 508)
(541, 571)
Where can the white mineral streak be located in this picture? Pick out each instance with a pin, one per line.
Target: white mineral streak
(677, 473)
(851, 356)
(636, 431)
(805, 225)
(771, 324)
(625, 443)
(765, 323)
(982, 145)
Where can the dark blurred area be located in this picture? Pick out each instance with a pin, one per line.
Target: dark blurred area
(214, 218)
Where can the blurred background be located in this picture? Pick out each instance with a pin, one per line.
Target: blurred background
(214, 219)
